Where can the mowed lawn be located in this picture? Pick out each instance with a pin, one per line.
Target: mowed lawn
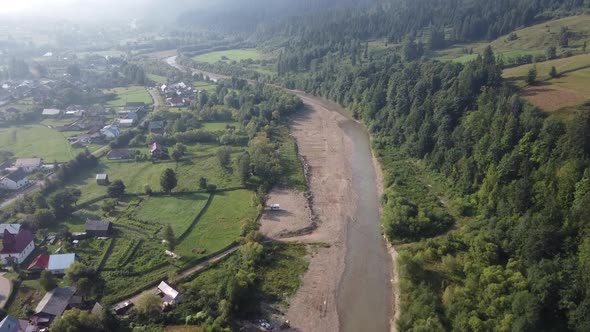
(204, 86)
(36, 141)
(132, 94)
(136, 175)
(179, 210)
(220, 225)
(231, 55)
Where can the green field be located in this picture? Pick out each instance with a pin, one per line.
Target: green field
(533, 40)
(128, 95)
(569, 89)
(231, 55)
(221, 223)
(136, 175)
(219, 126)
(157, 78)
(200, 85)
(179, 210)
(36, 141)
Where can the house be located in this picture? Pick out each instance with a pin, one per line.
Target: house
(16, 180)
(97, 310)
(58, 264)
(168, 294)
(74, 113)
(128, 114)
(84, 139)
(11, 324)
(16, 247)
(126, 122)
(157, 151)
(29, 165)
(52, 305)
(176, 102)
(110, 132)
(11, 228)
(51, 112)
(102, 179)
(156, 127)
(120, 154)
(98, 228)
(40, 263)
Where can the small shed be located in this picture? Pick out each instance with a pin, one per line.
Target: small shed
(169, 294)
(98, 228)
(59, 263)
(102, 179)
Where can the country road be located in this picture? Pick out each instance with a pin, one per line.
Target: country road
(349, 285)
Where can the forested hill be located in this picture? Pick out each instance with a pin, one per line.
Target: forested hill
(245, 16)
(455, 20)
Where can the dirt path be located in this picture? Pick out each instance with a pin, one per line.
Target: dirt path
(187, 273)
(5, 290)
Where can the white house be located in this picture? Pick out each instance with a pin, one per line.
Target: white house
(15, 180)
(168, 294)
(29, 165)
(16, 247)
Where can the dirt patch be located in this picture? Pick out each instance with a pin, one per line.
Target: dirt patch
(293, 216)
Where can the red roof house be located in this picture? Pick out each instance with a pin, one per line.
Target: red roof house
(16, 247)
(40, 263)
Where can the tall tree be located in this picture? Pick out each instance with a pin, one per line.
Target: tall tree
(168, 180)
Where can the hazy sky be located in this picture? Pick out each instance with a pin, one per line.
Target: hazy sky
(89, 9)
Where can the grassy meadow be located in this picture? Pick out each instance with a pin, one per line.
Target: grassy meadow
(230, 55)
(128, 95)
(36, 141)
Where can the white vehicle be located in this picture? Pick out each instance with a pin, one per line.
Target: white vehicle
(275, 207)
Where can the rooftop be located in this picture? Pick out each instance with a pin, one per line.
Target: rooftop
(51, 111)
(16, 243)
(55, 301)
(60, 262)
(101, 176)
(40, 262)
(17, 175)
(12, 228)
(97, 225)
(169, 292)
(28, 162)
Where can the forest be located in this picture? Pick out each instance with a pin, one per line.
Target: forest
(516, 254)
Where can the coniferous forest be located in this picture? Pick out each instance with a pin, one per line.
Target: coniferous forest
(506, 248)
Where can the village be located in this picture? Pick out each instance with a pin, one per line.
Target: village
(128, 200)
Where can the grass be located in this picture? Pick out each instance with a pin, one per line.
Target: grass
(158, 78)
(200, 85)
(281, 270)
(220, 225)
(36, 141)
(129, 94)
(293, 170)
(569, 89)
(179, 211)
(219, 126)
(533, 40)
(136, 175)
(231, 55)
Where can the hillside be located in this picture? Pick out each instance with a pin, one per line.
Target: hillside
(533, 40)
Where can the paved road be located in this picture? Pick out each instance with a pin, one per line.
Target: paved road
(5, 289)
(185, 274)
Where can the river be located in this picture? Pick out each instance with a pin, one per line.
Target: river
(364, 298)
